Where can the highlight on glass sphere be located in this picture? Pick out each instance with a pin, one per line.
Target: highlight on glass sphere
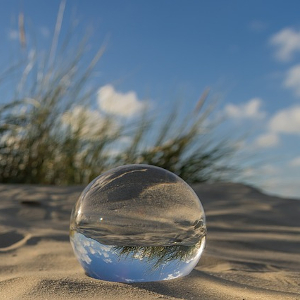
(138, 223)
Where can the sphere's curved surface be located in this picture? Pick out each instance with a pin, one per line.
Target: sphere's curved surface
(138, 223)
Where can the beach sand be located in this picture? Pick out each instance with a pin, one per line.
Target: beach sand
(252, 252)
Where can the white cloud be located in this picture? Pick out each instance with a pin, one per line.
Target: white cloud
(13, 34)
(287, 42)
(292, 79)
(267, 140)
(286, 121)
(295, 162)
(120, 104)
(276, 180)
(282, 186)
(81, 252)
(174, 275)
(249, 110)
(88, 123)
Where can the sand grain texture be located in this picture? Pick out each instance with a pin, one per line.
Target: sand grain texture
(253, 248)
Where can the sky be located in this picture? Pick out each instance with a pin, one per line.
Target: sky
(131, 267)
(246, 52)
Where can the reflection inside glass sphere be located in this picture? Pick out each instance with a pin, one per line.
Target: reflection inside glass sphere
(138, 223)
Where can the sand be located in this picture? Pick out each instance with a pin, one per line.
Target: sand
(252, 252)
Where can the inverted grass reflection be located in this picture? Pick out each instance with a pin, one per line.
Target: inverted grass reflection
(160, 255)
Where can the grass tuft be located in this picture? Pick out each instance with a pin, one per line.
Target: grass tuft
(49, 133)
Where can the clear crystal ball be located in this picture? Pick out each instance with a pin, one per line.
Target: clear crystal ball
(138, 223)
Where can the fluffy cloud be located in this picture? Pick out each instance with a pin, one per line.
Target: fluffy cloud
(86, 122)
(249, 110)
(286, 121)
(287, 43)
(267, 140)
(120, 104)
(292, 79)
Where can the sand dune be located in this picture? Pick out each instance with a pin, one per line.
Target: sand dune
(253, 248)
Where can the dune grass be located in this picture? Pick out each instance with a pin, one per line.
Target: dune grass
(49, 133)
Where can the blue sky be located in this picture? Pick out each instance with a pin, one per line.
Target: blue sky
(104, 262)
(247, 52)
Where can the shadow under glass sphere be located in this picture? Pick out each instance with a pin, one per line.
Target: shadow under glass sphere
(138, 223)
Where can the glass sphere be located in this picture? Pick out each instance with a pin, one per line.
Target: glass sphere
(138, 223)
